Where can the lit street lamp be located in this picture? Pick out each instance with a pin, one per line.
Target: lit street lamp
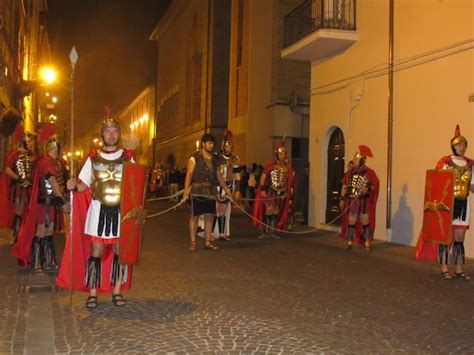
(48, 75)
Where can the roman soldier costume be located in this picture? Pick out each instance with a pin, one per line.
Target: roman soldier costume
(228, 166)
(16, 181)
(274, 195)
(435, 243)
(44, 216)
(97, 218)
(360, 190)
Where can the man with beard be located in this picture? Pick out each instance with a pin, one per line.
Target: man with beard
(229, 169)
(274, 195)
(202, 179)
(461, 167)
(17, 181)
(45, 212)
(96, 222)
(359, 194)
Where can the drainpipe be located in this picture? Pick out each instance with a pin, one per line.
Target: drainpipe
(207, 125)
(155, 116)
(390, 113)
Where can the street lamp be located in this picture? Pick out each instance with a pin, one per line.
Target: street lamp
(48, 75)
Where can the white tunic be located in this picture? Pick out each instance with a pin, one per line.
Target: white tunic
(92, 220)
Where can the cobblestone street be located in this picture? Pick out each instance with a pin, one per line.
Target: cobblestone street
(295, 295)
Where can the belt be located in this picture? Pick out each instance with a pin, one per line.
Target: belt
(201, 184)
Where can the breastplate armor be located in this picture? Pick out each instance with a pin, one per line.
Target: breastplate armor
(45, 189)
(61, 176)
(226, 169)
(462, 179)
(279, 178)
(355, 184)
(24, 168)
(107, 180)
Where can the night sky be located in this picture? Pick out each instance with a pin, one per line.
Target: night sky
(116, 58)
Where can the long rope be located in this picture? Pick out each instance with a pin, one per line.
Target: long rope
(177, 194)
(309, 231)
(167, 210)
(180, 192)
(240, 207)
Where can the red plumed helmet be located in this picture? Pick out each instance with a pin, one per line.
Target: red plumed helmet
(365, 151)
(45, 132)
(458, 138)
(18, 134)
(280, 146)
(107, 111)
(228, 136)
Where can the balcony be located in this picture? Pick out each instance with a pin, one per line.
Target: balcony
(319, 29)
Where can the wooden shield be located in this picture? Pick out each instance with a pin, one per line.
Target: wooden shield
(438, 207)
(133, 215)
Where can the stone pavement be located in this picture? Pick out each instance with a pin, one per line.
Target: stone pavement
(300, 294)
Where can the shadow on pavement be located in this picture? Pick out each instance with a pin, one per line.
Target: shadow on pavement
(143, 310)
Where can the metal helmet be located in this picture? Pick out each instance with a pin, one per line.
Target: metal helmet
(48, 137)
(53, 142)
(29, 137)
(363, 153)
(228, 141)
(109, 121)
(280, 147)
(458, 138)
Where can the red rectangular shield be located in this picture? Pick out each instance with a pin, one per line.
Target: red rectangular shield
(133, 215)
(438, 207)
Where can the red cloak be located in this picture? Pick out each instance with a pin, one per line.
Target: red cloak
(7, 210)
(81, 247)
(22, 248)
(428, 250)
(371, 207)
(259, 205)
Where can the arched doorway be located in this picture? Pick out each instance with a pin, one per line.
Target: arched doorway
(335, 171)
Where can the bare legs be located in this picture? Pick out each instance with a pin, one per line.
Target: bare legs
(457, 256)
(351, 230)
(94, 274)
(193, 223)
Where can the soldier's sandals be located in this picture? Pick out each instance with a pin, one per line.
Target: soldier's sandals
(211, 247)
(462, 275)
(118, 300)
(447, 275)
(91, 302)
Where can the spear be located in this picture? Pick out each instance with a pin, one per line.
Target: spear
(73, 57)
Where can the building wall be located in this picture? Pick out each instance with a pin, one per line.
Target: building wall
(137, 121)
(37, 53)
(259, 99)
(192, 79)
(429, 100)
(24, 46)
(288, 76)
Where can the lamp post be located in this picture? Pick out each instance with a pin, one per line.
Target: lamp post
(47, 78)
(73, 57)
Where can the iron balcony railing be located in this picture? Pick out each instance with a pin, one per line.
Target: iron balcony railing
(313, 15)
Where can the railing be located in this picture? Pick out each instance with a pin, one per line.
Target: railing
(313, 15)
